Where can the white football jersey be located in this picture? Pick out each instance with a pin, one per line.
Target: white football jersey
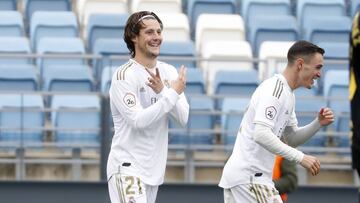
(140, 119)
(271, 104)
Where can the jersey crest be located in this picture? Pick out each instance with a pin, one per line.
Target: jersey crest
(270, 112)
(129, 100)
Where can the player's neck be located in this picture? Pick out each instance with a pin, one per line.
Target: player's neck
(290, 77)
(145, 61)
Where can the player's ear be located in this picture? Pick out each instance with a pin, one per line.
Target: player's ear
(299, 63)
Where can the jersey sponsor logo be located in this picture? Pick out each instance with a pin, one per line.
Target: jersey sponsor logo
(153, 100)
(270, 112)
(129, 100)
(279, 87)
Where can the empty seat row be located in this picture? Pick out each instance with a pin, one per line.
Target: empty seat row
(75, 120)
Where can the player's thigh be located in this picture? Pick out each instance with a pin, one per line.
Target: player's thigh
(126, 189)
(255, 193)
(151, 193)
(228, 196)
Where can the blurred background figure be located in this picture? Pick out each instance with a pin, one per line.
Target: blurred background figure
(284, 177)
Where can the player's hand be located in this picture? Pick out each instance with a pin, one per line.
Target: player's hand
(311, 163)
(325, 116)
(155, 81)
(179, 84)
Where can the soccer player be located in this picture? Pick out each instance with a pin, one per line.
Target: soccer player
(144, 92)
(354, 91)
(269, 128)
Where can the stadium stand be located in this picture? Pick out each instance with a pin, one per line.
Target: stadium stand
(307, 10)
(106, 78)
(11, 24)
(16, 46)
(327, 29)
(197, 7)
(59, 45)
(104, 26)
(200, 124)
(233, 111)
(77, 118)
(208, 46)
(252, 9)
(52, 24)
(224, 55)
(273, 54)
(276, 28)
(32, 6)
(240, 83)
(18, 78)
(10, 5)
(69, 78)
(336, 92)
(21, 119)
(195, 83)
(176, 27)
(210, 26)
(106, 48)
(85, 8)
(174, 49)
(157, 6)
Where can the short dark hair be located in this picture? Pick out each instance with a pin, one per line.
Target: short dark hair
(303, 49)
(133, 26)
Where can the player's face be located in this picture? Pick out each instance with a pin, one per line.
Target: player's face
(147, 43)
(311, 70)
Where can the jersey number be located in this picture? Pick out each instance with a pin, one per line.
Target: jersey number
(131, 180)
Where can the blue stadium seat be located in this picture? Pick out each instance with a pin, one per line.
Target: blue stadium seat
(58, 45)
(306, 110)
(251, 9)
(32, 6)
(15, 45)
(106, 77)
(355, 6)
(336, 92)
(198, 7)
(327, 29)
(240, 83)
(78, 119)
(200, 124)
(306, 10)
(106, 48)
(10, 5)
(276, 28)
(336, 58)
(21, 127)
(18, 78)
(76, 78)
(195, 83)
(179, 49)
(105, 26)
(11, 24)
(234, 110)
(52, 24)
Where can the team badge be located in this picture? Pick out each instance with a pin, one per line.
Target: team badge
(270, 112)
(167, 83)
(129, 100)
